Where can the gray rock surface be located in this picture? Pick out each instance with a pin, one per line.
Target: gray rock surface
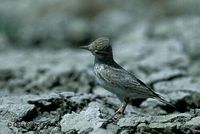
(156, 124)
(85, 120)
(47, 90)
(85, 113)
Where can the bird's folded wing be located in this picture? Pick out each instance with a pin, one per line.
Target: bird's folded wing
(125, 80)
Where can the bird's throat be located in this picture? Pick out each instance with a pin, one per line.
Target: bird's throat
(104, 60)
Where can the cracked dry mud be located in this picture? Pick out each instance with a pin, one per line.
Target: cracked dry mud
(64, 98)
(46, 90)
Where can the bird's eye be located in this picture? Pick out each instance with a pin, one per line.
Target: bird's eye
(101, 53)
(97, 52)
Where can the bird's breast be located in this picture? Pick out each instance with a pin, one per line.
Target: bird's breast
(97, 71)
(103, 82)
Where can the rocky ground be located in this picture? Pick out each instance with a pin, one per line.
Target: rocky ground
(47, 85)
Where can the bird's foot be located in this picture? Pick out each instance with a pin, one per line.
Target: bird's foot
(114, 117)
(119, 111)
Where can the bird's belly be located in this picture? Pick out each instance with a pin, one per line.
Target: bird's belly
(110, 87)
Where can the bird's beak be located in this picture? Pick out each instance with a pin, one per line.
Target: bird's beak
(84, 47)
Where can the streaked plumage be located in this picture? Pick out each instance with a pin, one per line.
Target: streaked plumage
(117, 78)
(114, 78)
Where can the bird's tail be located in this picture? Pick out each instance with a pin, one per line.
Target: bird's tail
(164, 101)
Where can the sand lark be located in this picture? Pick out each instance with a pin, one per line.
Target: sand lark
(116, 79)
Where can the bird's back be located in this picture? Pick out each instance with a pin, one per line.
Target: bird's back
(123, 81)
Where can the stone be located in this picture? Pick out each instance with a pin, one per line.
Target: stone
(164, 75)
(187, 88)
(144, 61)
(5, 127)
(55, 130)
(87, 119)
(164, 123)
(194, 122)
(101, 131)
(15, 108)
(194, 69)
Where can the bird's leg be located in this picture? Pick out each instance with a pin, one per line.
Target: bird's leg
(121, 109)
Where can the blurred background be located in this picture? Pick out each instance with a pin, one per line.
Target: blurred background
(64, 23)
(40, 35)
(157, 40)
(38, 40)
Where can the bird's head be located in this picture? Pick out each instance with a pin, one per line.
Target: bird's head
(100, 48)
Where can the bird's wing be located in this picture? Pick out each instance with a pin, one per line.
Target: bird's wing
(122, 78)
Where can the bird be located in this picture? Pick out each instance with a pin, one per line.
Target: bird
(114, 78)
